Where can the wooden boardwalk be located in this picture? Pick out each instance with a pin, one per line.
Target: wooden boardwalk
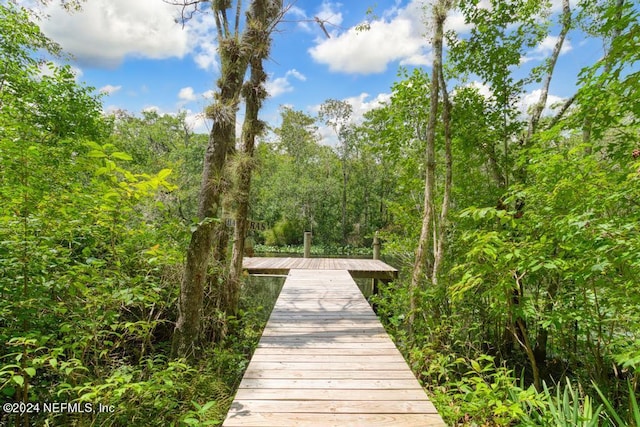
(358, 268)
(324, 359)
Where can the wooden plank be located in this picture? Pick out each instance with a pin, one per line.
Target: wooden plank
(303, 352)
(324, 366)
(331, 335)
(328, 358)
(338, 384)
(327, 326)
(336, 406)
(361, 374)
(310, 345)
(283, 419)
(320, 394)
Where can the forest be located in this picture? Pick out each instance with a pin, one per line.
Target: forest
(517, 233)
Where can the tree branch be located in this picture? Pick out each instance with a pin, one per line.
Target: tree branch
(539, 107)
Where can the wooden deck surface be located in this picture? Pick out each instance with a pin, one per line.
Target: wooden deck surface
(358, 268)
(324, 359)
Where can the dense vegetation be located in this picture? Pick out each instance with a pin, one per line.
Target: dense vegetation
(531, 316)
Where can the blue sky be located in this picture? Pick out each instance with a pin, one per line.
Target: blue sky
(136, 54)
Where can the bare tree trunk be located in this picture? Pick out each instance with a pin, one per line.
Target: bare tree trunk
(429, 186)
(539, 106)
(448, 180)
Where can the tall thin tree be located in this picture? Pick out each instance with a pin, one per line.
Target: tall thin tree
(440, 10)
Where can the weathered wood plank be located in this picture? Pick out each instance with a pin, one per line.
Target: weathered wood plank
(303, 352)
(330, 394)
(282, 419)
(310, 344)
(329, 358)
(324, 366)
(336, 406)
(360, 374)
(332, 336)
(339, 384)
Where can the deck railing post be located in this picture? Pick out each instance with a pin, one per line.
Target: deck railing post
(307, 244)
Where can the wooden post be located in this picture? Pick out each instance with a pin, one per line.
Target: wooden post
(376, 246)
(307, 244)
(376, 255)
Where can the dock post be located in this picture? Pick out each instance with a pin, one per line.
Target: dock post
(307, 244)
(376, 255)
(376, 246)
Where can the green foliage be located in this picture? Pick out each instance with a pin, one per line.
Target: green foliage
(284, 232)
(487, 395)
(568, 408)
(91, 243)
(617, 416)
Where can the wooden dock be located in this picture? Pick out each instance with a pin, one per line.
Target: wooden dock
(324, 359)
(358, 268)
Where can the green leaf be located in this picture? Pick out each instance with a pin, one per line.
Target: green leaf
(18, 379)
(30, 371)
(96, 154)
(121, 155)
(164, 173)
(93, 145)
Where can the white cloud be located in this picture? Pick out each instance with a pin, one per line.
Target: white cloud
(152, 108)
(360, 105)
(529, 99)
(202, 41)
(299, 16)
(187, 94)
(105, 32)
(48, 69)
(329, 13)
(482, 88)
(197, 122)
(397, 38)
(526, 101)
(545, 48)
(282, 85)
(109, 89)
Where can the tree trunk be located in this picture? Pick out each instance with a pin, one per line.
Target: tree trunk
(539, 106)
(448, 180)
(429, 186)
(254, 93)
(542, 338)
(222, 137)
